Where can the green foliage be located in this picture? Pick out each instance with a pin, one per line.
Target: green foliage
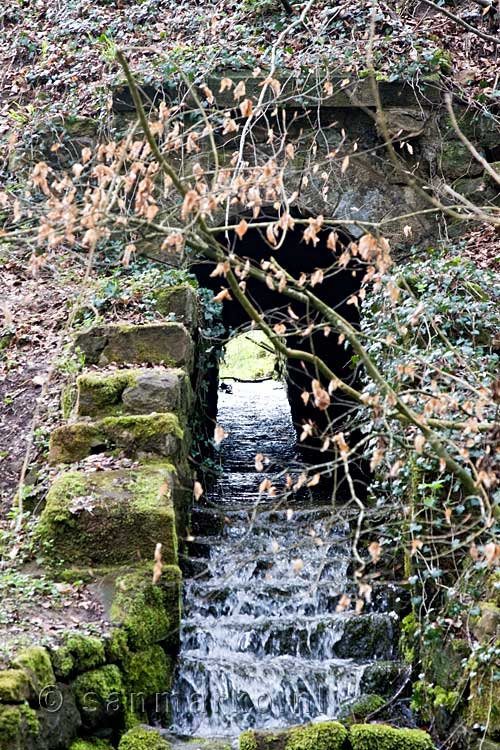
(249, 356)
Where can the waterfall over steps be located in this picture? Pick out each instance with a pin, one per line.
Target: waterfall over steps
(262, 643)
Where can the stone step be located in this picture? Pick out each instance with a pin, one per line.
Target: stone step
(137, 391)
(169, 344)
(337, 636)
(217, 598)
(157, 434)
(110, 517)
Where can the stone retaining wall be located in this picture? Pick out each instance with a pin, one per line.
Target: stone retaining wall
(133, 398)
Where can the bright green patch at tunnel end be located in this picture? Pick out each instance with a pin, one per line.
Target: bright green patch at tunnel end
(249, 356)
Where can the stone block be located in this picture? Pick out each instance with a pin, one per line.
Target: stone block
(110, 517)
(135, 435)
(181, 302)
(14, 686)
(455, 160)
(149, 613)
(154, 343)
(133, 392)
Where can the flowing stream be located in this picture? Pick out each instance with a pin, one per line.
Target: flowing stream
(262, 644)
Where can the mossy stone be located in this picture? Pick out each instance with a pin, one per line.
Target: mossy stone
(381, 737)
(17, 724)
(14, 686)
(159, 434)
(140, 738)
(35, 661)
(99, 394)
(149, 678)
(484, 704)
(180, 301)
(78, 654)
(110, 517)
(91, 744)
(100, 697)
(155, 343)
(456, 161)
(327, 735)
(149, 613)
(139, 391)
(357, 710)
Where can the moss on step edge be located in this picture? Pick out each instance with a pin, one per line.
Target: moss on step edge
(79, 653)
(332, 735)
(140, 738)
(381, 737)
(35, 661)
(100, 394)
(327, 735)
(16, 724)
(110, 517)
(14, 686)
(91, 744)
(149, 613)
(148, 675)
(100, 697)
(159, 434)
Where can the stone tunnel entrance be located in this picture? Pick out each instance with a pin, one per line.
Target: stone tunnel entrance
(337, 287)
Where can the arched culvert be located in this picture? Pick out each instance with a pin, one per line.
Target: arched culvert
(338, 286)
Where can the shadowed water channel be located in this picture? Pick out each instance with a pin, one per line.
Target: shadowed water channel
(261, 643)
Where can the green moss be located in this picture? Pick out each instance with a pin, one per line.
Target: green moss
(380, 737)
(139, 738)
(117, 646)
(16, 722)
(327, 735)
(154, 433)
(100, 395)
(484, 704)
(110, 517)
(99, 696)
(248, 741)
(149, 613)
(91, 744)
(14, 686)
(78, 654)
(409, 637)
(363, 707)
(149, 676)
(72, 442)
(35, 661)
(68, 401)
(10, 723)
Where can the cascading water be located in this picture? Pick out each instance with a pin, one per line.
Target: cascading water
(262, 644)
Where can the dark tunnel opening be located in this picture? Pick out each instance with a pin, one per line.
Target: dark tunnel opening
(337, 288)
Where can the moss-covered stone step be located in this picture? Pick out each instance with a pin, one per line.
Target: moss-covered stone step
(143, 738)
(148, 613)
(133, 392)
(155, 343)
(136, 435)
(110, 517)
(332, 735)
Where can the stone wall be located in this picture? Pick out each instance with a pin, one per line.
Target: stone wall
(134, 398)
